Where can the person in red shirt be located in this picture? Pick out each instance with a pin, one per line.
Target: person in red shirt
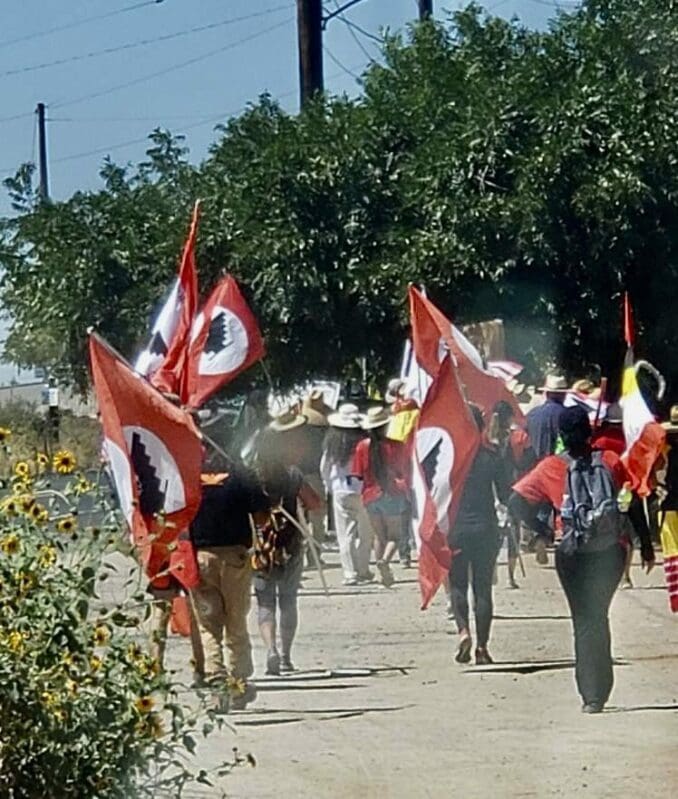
(382, 466)
(589, 572)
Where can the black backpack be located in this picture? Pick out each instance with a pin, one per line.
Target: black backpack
(590, 513)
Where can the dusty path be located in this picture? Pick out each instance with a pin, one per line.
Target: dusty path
(379, 708)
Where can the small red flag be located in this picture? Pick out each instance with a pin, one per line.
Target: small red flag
(154, 452)
(445, 443)
(169, 375)
(225, 341)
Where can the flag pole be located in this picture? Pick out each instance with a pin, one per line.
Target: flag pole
(603, 392)
(267, 374)
(117, 354)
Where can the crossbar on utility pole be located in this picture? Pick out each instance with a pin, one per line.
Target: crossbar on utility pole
(310, 23)
(43, 188)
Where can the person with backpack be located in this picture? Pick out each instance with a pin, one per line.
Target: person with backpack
(583, 485)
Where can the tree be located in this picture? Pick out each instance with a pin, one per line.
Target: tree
(521, 174)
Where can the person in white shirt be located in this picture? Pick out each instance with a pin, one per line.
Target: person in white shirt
(353, 529)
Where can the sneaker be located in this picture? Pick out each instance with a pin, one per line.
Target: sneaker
(385, 573)
(350, 581)
(483, 657)
(273, 664)
(464, 650)
(592, 707)
(286, 664)
(240, 699)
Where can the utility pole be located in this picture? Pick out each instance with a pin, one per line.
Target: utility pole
(309, 24)
(43, 188)
(425, 9)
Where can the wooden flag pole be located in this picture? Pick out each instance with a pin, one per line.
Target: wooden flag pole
(603, 392)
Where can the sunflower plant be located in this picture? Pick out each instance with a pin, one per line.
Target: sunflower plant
(85, 710)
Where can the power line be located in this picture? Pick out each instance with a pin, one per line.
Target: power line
(173, 68)
(142, 42)
(341, 66)
(78, 23)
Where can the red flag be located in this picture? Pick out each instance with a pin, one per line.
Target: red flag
(445, 443)
(225, 341)
(629, 330)
(154, 453)
(169, 375)
(480, 385)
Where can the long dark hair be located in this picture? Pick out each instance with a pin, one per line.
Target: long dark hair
(340, 443)
(378, 465)
(269, 465)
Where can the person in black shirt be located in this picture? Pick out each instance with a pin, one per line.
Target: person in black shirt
(474, 541)
(222, 536)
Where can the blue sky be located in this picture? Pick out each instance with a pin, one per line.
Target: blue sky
(232, 63)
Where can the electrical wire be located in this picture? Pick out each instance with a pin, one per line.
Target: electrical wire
(107, 15)
(142, 42)
(173, 68)
(341, 66)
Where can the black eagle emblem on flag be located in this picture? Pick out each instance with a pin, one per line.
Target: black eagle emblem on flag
(218, 337)
(429, 464)
(151, 491)
(157, 345)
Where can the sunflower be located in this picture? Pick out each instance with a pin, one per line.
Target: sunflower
(150, 726)
(102, 634)
(46, 556)
(26, 501)
(64, 462)
(84, 486)
(10, 544)
(144, 704)
(42, 459)
(22, 470)
(10, 507)
(39, 514)
(5, 433)
(95, 663)
(26, 581)
(67, 525)
(49, 699)
(15, 641)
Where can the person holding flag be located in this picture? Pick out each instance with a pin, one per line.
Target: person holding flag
(474, 541)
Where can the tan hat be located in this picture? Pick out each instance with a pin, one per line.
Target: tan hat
(555, 384)
(287, 419)
(375, 417)
(584, 387)
(393, 389)
(314, 409)
(672, 424)
(347, 417)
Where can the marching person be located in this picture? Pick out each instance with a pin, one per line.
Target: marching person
(382, 466)
(312, 436)
(354, 533)
(590, 558)
(474, 540)
(221, 535)
(278, 577)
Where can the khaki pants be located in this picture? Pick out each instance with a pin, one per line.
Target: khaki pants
(161, 610)
(221, 603)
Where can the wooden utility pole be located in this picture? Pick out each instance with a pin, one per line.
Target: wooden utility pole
(309, 23)
(43, 188)
(425, 9)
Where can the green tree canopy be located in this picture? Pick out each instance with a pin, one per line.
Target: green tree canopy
(518, 174)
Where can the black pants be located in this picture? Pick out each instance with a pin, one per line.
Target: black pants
(480, 553)
(589, 581)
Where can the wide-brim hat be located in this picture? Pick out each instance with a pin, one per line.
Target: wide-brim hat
(584, 386)
(287, 419)
(314, 409)
(393, 389)
(554, 384)
(672, 425)
(515, 387)
(347, 417)
(375, 417)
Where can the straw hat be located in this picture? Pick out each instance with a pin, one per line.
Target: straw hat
(314, 409)
(347, 417)
(555, 384)
(672, 425)
(583, 386)
(287, 419)
(393, 389)
(375, 417)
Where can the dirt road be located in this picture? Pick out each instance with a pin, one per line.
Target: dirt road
(379, 709)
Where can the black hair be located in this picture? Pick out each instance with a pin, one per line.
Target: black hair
(477, 416)
(378, 465)
(340, 443)
(504, 411)
(575, 429)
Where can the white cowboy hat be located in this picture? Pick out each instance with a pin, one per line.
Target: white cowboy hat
(347, 417)
(314, 409)
(287, 419)
(375, 417)
(393, 389)
(555, 384)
